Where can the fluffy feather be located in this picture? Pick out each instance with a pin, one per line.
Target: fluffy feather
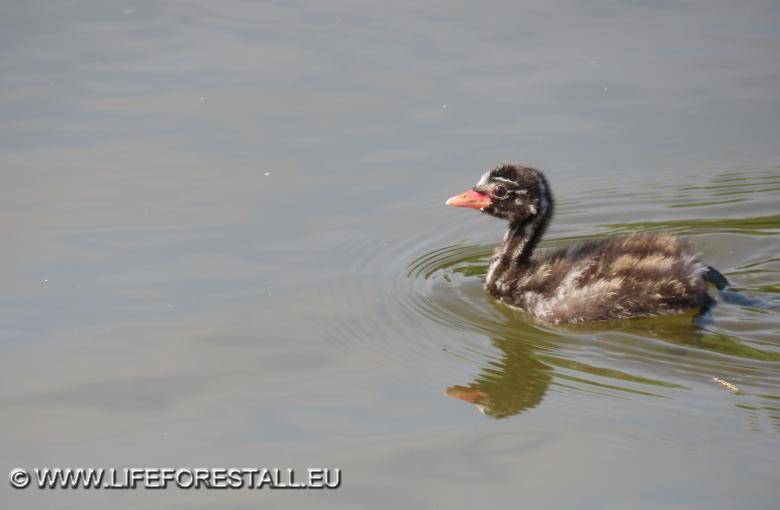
(637, 275)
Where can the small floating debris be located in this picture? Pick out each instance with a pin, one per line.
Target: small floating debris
(267, 174)
(726, 384)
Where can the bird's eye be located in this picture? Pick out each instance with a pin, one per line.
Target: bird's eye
(499, 191)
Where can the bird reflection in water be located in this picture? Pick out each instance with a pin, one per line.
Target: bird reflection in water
(518, 381)
(504, 388)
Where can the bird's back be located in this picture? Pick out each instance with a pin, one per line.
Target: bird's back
(637, 275)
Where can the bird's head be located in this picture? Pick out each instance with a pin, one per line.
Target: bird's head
(512, 192)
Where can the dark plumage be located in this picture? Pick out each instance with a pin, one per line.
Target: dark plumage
(637, 275)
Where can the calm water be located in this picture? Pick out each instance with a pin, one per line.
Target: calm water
(225, 245)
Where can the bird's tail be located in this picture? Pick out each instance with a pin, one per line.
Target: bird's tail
(716, 278)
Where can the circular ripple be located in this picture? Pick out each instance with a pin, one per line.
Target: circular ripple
(412, 298)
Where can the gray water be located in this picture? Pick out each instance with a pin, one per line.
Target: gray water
(225, 245)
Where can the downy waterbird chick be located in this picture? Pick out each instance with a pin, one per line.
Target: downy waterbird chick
(637, 275)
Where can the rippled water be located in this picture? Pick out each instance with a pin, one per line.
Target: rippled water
(435, 314)
(225, 244)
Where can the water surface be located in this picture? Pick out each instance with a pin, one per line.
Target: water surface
(225, 244)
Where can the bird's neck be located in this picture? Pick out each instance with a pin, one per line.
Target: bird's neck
(519, 242)
(513, 255)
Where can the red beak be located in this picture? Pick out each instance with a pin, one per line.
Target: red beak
(472, 199)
